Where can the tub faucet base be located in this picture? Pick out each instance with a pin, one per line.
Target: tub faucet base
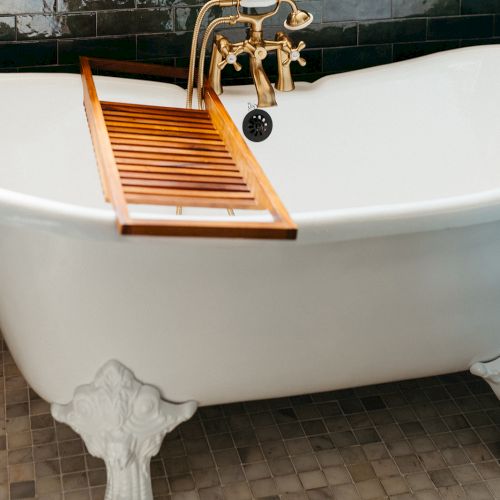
(123, 422)
(490, 372)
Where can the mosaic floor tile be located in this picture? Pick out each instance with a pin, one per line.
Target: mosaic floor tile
(432, 438)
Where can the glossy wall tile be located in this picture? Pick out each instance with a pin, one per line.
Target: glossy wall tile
(346, 34)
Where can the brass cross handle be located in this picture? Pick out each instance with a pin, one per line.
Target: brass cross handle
(293, 54)
(230, 54)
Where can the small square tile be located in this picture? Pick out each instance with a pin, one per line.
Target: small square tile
(399, 448)
(489, 470)
(422, 444)
(21, 472)
(18, 440)
(288, 484)
(238, 491)
(465, 474)
(455, 492)
(231, 474)
(319, 494)
(337, 424)
(74, 481)
(48, 485)
(478, 453)
(312, 479)
(304, 463)
(48, 468)
(370, 489)
(206, 478)
(394, 485)
(183, 482)
(298, 446)
(446, 440)
(345, 492)
(353, 455)
(455, 456)
(97, 477)
(226, 458)
(427, 495)
(23, 489)
(262, 488)
(361, 472)
(385, 467)
(478, 491)
(274, 449)
(375, 451)
(21, 456)
(259, 470)
(341, 439)
(214, 493)
(337, 475)
(329, 457)
(494, 486)
(320, 443)
(442, 477)
(433, 460)
(281, 466)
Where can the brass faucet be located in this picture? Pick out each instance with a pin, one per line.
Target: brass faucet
(224, 52)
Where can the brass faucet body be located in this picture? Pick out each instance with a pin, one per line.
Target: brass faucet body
(224, 52)
(257, 48)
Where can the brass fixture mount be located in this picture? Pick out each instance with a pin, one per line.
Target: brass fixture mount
(224, 52)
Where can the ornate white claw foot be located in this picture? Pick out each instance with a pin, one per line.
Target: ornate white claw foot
(123, 422)
(490, 372)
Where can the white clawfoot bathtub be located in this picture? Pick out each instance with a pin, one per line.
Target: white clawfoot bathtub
(393, 177)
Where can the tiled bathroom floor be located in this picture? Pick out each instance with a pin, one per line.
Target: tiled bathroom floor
(432, 438)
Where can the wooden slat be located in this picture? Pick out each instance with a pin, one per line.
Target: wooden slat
(190, 136)
(185, 170)
(151, 108)
(189, 201)
(174, 156)
(180, 158)
(201, 144)
(202, 120)
(193, 131)
(190, 184)
(142, 162)
(182, 177)
(192, 193)
(167, 150)
(165, 122)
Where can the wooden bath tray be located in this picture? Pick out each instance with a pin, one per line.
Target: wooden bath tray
(153, 155)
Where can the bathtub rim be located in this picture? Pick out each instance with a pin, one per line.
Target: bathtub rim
(314, 227)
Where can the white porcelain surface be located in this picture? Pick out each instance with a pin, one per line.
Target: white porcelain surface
(392, 176)
(123, 422)
(490, 372)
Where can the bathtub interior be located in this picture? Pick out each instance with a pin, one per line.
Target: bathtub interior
(419, 130)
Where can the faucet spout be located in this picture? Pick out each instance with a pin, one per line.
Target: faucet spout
(265, 91)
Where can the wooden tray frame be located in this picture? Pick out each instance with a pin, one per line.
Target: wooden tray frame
(282, 226)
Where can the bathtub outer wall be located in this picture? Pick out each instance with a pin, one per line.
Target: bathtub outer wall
(220, 321)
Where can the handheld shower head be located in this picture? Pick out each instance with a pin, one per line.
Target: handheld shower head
(298, 19)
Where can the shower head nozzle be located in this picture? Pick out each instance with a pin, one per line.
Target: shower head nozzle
(298, 19)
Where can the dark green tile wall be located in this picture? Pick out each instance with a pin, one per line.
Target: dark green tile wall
(49, 35)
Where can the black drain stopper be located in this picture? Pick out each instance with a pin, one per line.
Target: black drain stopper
(257, 125)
